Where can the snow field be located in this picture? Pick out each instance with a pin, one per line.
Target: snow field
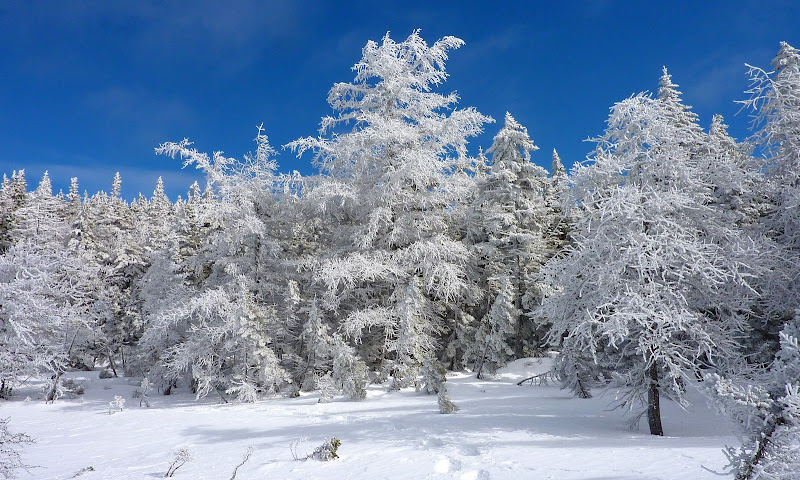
(503, 431)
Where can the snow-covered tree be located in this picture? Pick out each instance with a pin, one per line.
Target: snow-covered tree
(41, 218)
(510, 245)
(491, 349)
(13, 196)
(766, 412)
(316, 344)
(10, 456)
(389, 181)
(655, 282)
(42, 294)
(236, 332)
(775, 101)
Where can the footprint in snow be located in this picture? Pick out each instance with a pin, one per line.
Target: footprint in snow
(447, 465)
(476, 475)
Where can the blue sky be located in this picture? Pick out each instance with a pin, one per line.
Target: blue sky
(90, 88)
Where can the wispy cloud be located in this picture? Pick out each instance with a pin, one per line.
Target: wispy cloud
(203, 31)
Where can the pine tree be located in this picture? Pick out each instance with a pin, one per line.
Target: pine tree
(389, 187)
(766, 410)
(41, 217)
(510, 202)
(652, 283)
(116, 186)
(491, 349)
(775, 100)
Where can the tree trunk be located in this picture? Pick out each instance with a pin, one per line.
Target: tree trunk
(51, 394)
(653, 402)
(111, 362)
(519, 343)
(747, 471)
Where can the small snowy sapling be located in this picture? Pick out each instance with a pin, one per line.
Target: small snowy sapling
(445, 404)
(117, 404)
(327, 451)
(181, 457)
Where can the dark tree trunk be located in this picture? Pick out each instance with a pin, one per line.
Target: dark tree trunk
(750, 467)
(5, 390)
(111, 362)
(653, 402)
(519, 343)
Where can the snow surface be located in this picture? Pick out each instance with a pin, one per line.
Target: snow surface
(503, 431)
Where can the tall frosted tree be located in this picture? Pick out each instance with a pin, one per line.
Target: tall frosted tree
(390, 174)
(41, 218)
(655, 282)
(775, 102)
(13, 196)
(510, 204)
(764, 403)
(230, 333)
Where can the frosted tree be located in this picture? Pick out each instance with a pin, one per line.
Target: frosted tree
(226, 346)
(510, 202)
(232, 334)
(739, 193)
(41, 218)
(105, 235)
(655, 282)
(490, 349)
(193, 223)
(316, 345)
(13, 196)
(44, 296)
(389, 186)
(678, 113)
(766, 409)
(159, 213)
(158, 291)
(413, 340)
(6, 211)
(559, 222)
(775, 102)
(10, 445)
(349, 372)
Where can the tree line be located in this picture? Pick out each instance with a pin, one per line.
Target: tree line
(671, 255)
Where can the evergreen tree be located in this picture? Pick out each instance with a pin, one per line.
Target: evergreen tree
(513, 215)
(775, 99)
(490, 350)
(654, 284)
(389, 179)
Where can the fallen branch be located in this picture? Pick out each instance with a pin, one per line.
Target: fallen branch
(540, 379)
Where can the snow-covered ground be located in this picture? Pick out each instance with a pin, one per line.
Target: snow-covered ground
(503, 431)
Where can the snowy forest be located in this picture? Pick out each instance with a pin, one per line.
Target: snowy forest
(667, 259)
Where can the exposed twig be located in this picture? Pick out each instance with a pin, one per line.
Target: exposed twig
(245, 458)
